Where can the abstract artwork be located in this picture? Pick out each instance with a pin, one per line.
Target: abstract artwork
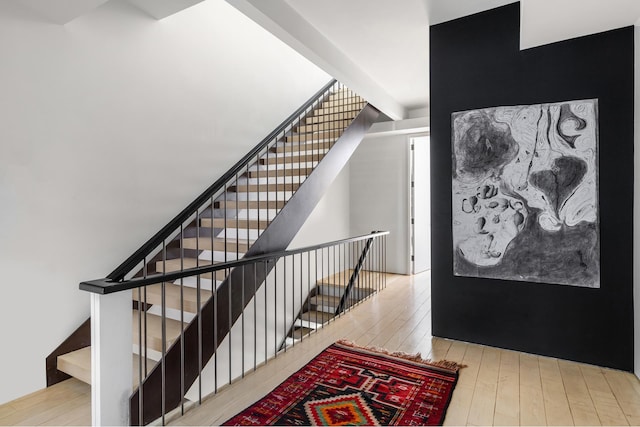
(525, 193)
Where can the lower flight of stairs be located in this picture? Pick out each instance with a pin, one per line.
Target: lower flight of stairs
(324, 300)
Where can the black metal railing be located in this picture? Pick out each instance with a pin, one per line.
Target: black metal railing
(272, 301)
(262, 182)
(199, 254)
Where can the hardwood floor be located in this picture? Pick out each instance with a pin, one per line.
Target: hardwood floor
(498, 387)
(66, 403)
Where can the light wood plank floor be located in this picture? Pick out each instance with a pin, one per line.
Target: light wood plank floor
(498, 387)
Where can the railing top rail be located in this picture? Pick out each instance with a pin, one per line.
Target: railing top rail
(131, 262)
(109, 286)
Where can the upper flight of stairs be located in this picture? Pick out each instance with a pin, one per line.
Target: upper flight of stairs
(227, 229)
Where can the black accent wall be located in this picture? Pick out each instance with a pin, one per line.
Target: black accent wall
(476, 62)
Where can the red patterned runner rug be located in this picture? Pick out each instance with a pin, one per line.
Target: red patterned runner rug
(351, 385)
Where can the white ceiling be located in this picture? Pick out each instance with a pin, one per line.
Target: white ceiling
(64, 11)
(380, 47)
(388, 39)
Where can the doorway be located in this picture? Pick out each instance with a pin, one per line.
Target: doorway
(420, 204)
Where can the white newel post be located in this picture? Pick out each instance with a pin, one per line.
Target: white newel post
(111, 361)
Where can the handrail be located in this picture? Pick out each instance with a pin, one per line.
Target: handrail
(356, 271)
(119, 273)
(109, 286)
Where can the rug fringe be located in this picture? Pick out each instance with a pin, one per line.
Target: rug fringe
(417, 357)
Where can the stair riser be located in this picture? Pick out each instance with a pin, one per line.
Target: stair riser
(262, 204)
(337, 291)
(330, 117)
(172, 297)
(308, 158)
(271, 173)
(233, 223)
(307, 324)
(324, 127)
(265, 188)
(217, 245)
(242, 234)
(359, 103)
(345, 96)
(326, 308)
(318, 137)
(312, 146)
(338, 109)
(174, 265)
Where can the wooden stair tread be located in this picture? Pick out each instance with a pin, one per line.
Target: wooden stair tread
(325, 300)
(78, 365)
(266, 187)
(324, 127)
(252, 204)
(305, 171)
(253, 224)
(329, 135)
(154, 330)
(316, 316)
(327, 109)
(282, 160)
(334, 103)
(342, 278)
(218, 244)
(172, 296)
(331, 117)
(298, 146)
(175, 265)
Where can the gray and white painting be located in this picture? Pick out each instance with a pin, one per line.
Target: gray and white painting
(525, 193)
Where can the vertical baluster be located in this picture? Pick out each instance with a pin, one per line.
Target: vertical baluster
(146, 370)
(248, 222)
(242, 283)
(214, 289)
(293, 297)
(259, 232)
(266, 319)
(378, 242)
(268, 175)
(336, 273)
(237, 219)
(182, 385)
(315, 283)
(163, 309)
(385, 259)
(301, 285)
(255, 316)
(279, 158)
(284, 301)
(230, 307)
(226, 222)
(275, 306)
(198, 308)
(322, 276)
(140, 378)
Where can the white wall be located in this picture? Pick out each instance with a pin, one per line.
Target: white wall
(330, 219)
(110, 125)
(379, 171)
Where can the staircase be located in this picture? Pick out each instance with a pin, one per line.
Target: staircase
(241, 218)
(324, 301)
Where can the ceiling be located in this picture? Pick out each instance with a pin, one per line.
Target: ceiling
(386, 41)
(380, 47)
